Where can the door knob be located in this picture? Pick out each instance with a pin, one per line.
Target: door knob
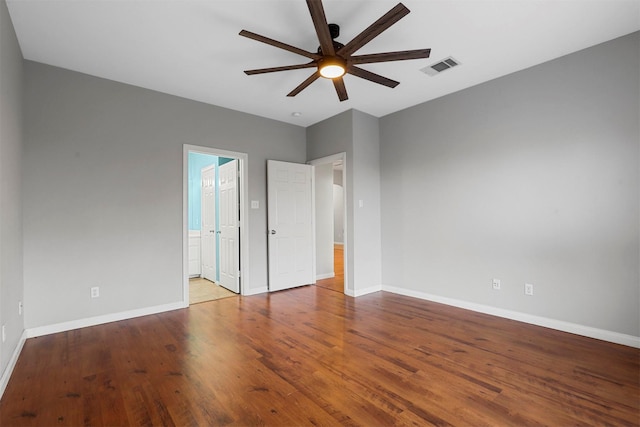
(273, 231)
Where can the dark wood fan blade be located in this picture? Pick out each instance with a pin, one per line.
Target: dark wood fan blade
(387, 20)
(373, 77)
(390, 56)
(322, 28)
(312, 78)
(281, 45)
(283, 68)
(341, 89)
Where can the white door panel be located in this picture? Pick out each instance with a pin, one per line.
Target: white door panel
(290, 219)
(229, 227)
(208, 228)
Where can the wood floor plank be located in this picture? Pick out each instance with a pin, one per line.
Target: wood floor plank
(313, 356)
(336, 282)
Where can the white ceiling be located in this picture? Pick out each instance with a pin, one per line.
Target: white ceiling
(192, 48)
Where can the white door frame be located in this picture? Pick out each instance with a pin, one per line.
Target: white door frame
(330, 160)
(244, 213)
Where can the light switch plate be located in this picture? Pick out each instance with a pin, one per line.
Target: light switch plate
(255, 204)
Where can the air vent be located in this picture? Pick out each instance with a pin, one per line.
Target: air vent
(440, 66)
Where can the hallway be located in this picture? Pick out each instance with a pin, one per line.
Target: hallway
(335, 283)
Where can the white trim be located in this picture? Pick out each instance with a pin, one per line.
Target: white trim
(6, 375)
(244, 215)
(256, 291)
(365, 291)
(325, 276)
(313, 221)
(244, 223)
(195, 263)
(99, 320)
(574, 328)
(185, 225)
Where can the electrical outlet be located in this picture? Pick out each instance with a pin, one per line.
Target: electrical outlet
(19, 308)
(528, 289)
(496, 284)
(95, 292)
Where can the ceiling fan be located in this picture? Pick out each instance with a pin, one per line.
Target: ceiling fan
(333, 59)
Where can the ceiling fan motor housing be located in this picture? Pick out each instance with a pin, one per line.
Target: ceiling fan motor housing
(336, 46)
(334, 30)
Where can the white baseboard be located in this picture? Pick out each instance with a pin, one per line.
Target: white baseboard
(325, 276)
(574, 328)
(99, 320)
(256, 291)
(359, 292)
(365, 291)
(6, 375)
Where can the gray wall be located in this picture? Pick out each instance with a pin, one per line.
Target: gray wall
(366, 186)
(103, 190)
(323, 182)
(332, 136)
(11, 278)
(356, 134)
(533, 178)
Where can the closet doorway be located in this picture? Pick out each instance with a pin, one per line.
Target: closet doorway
(213, 229)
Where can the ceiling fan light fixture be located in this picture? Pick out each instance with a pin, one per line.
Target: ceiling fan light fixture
(332, 67)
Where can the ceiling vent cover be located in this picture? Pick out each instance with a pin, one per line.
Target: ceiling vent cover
(440, 66)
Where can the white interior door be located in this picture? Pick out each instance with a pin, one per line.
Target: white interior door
(290, 219)
(208, 229)
(229, 226)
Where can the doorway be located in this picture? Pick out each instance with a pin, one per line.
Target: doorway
(331, 224)
(216, 257)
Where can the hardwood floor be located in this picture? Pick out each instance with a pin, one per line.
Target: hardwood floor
(312, 356)
(335, 283)
(201, 290)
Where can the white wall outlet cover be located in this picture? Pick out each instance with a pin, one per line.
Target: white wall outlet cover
(496, 284)
(255, 204)
(528, 289)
